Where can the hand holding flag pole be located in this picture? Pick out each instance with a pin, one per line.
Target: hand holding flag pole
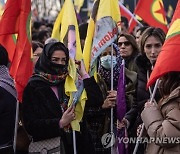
(66, 30)
(76, 95)
(142, 129)
(167, 61)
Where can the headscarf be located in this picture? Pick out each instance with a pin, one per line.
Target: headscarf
(106, 74)
(6, 81)
(47, 71)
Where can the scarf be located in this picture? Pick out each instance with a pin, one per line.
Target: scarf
(50, 73)
(52, 80)
(106, 74)
(6, 81)
(44, 63)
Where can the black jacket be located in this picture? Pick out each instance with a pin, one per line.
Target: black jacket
(7, 118)
(42, 112)
(142, 94)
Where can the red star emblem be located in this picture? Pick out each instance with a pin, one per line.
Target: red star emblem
(161, 11)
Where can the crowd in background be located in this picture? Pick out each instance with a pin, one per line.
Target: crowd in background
(44, 113)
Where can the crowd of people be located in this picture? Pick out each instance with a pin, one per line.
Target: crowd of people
(44, 112)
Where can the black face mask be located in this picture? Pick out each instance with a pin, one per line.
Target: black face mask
(44, 63)
(59, 69)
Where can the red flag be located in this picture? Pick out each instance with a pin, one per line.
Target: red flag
(153, 13)
(9, 25)
(9, 42)
(169, 58)
(16, 20)
(133, 22)
(10, 17)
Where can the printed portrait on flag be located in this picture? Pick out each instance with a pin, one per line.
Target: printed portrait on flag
(72, 41)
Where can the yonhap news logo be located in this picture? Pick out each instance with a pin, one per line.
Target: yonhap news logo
(157, 140)
(108, 140)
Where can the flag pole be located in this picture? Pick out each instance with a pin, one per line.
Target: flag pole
(135, 4)
(74, 133)
(74, 142)
(142, 129)
(112, 136)
(16, 126)
(134, 17)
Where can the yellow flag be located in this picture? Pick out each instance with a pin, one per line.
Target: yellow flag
(103, 28)
(66, 30)
(78, 4)
(1, 9)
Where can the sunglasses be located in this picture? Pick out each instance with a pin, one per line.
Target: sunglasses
(126, 43)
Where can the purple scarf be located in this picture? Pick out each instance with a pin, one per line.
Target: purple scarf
(6, 81)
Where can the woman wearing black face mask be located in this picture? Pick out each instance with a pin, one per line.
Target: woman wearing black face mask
(45, 110)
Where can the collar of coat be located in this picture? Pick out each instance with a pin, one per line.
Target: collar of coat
(173, 95)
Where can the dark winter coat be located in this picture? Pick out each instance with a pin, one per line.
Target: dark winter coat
(142, 94)
(42, 112)
(7, 118)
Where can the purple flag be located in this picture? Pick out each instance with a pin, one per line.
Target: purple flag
(121, 101)
(121, 108)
